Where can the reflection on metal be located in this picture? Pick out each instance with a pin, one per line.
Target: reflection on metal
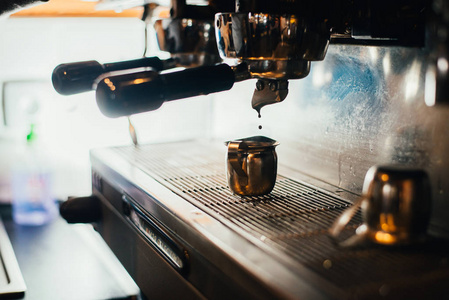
(395, 206)
(190, 42)
(275, 47)
(361, 106)
(430, 88)
(437, 76)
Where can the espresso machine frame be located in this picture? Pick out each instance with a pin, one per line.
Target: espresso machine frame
(377, 76)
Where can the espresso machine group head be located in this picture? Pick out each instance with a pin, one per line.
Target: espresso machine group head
(271, 41)
(278, 40)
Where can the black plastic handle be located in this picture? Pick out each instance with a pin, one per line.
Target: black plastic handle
(78, 77)
(81, 210)
(129, 94)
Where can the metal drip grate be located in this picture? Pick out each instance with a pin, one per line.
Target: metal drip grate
(294, 218)
(292, 209)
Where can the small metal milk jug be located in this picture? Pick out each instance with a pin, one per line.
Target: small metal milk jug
(252, 165)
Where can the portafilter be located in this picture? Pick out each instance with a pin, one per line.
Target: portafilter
(272, 48)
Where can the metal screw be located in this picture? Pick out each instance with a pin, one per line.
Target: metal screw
(260, 85)
(273, 86)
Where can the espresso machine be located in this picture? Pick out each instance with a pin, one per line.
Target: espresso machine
(361, 126)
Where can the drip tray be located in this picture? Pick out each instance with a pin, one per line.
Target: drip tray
(293, 219)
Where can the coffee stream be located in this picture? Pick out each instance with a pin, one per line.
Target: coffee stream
(259, 116)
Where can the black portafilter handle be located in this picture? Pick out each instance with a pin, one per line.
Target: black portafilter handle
(128, 94)
(79, 77)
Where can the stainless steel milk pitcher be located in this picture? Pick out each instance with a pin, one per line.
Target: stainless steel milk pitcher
(396, 207)
(252, 165)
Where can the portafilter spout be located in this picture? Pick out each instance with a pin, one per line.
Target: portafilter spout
(269, 92)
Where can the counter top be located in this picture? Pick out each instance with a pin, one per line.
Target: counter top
(65, 261)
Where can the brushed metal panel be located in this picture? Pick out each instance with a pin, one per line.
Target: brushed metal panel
(361, 106)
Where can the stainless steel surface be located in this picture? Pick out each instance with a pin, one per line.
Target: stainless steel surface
(251, 165)
(191, 42)
(65, 261)
(266, 36)
(279, 69)
(395, 205)
(279, 239)
(361, 106)
(275, 47)
(437, 76)
(158, 238)
(12, 285)
(224, 249)
(270, 43)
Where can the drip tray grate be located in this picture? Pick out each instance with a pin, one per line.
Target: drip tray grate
(294, 218)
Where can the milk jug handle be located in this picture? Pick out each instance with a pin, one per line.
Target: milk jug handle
(235, 157)
(343, 220)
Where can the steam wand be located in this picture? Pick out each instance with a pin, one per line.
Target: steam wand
(132, 132)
